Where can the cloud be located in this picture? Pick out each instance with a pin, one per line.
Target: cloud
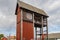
(7, 23)
(49, 5)
(7, 16)
(54, 32)
(55, 4)
(54, 21)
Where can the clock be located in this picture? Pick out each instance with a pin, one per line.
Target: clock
(29, 16)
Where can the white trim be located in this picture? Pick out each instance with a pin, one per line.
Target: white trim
(42, 25)
(33, 24)
(21, 25)
(47, 28)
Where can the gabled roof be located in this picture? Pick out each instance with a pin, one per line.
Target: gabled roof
(31, 8)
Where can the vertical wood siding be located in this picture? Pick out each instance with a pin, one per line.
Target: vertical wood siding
(18, 28)
(28, 33)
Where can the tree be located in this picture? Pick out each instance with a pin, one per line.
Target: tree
(1, 35)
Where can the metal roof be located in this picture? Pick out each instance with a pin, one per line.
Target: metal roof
(31, 8)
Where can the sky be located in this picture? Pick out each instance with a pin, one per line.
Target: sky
(8, 17)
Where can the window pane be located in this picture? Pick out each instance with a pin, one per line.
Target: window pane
(27, 16)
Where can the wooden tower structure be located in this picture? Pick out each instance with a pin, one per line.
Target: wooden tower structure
(29, 17)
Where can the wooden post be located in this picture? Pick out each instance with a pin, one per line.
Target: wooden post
(47, 28)
(36, 32)
(42, 24)
(40, 33)
(21, 25)
(42, 27)
(18, 28)
(33, 24)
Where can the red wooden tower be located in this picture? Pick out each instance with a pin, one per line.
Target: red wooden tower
(29, 17)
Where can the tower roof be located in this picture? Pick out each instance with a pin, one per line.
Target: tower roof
(30, 7)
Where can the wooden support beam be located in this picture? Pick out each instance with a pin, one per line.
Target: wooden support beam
(36, 33)
(21, 25)
(33, 24)
(42, 28)
(40, 33)
(47, 28)
(42, 24)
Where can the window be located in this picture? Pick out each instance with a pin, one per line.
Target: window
(27, 16)
(45, 21)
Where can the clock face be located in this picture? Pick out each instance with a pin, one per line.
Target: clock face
(29, 16)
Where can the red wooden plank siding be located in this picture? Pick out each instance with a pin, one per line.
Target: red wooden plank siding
(18, 36)
(27, 27)
(28, 33)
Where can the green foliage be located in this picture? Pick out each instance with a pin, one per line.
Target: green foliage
(1, 35)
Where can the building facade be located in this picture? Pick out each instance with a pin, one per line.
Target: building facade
(29, 17)
(4, 38)
(54, 36)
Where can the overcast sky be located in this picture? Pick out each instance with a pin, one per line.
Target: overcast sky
(8, 17)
